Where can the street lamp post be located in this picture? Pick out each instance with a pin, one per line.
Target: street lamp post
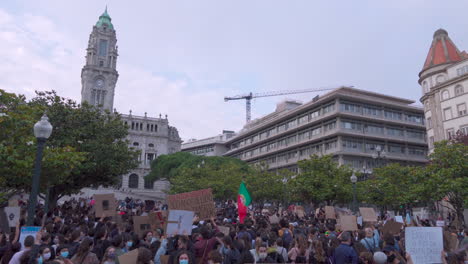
(354, 179)
(42, 131)
(379, 155)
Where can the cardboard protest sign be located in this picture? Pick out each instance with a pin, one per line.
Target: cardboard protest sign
(299, 210)
(158, 219)
(330, 212)
(105, 204)
(274, 219)
(28, 231)
(224, 229)
(424, 244)
(129, 257)
(201, 202)
(13, 215)
(368, 214)
(179, 222)
(348, 223)
(164, 259)
(141, 224)
(452, 240)
(392, 227)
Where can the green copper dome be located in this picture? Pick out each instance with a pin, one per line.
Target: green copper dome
(105, 19)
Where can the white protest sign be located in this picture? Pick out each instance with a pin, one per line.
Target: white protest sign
(440, 223)
(179, 222)
(359, 220)
(28, 231)
(399, 219)
(13, 215)
(424, 244)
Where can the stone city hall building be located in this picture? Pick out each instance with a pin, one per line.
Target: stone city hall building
(153, 136)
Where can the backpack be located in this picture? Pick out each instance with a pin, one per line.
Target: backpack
(287, 238)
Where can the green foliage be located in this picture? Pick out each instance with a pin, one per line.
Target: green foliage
(322, 180)
(187, 172)
(392, 186)
(87, 147)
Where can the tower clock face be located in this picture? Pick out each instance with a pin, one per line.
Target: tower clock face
(99, 83)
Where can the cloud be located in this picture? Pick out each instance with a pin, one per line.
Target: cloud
(36, 55)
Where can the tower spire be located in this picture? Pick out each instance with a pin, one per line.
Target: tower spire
(442, 50)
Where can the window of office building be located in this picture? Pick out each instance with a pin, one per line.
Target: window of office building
(415, 134)
(351, 125)
(349, 107)
(393, 131)
(414, 151)
(371, 110)
(373, 129)
(352, 144)
(415, 118)
(393, 115)
(330, 145)
(314, 114)
(303, 119)
(304, 135)
(328, 108)
(329, 126)
(396, 148)
(315, 131)
(371, 147)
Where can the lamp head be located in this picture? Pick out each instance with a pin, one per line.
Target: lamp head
(353, 178)
(43, 129)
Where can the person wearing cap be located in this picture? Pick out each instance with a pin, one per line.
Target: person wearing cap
(345, 253)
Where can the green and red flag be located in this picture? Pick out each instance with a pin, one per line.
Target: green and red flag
(243, 200)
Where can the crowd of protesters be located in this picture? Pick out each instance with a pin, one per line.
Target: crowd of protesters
(73, 234)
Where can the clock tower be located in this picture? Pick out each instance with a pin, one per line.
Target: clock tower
(99, 75)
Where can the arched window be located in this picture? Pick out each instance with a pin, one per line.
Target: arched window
(458, 90)
(425, 87)
(440, 79)
(445, 95)
(148, 184)
(133, 181)
(151, 145)
(136, 144)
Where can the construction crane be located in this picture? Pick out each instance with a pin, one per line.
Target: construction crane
(248, 97)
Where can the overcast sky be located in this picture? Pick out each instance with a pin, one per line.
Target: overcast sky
(182, 57)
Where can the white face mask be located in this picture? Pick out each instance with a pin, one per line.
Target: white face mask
(262, 255)
(46, 256)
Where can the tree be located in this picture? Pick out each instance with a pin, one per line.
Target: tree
(392, 186)
(187, 172)
(447, 175)
(321, 179)
(87, 147)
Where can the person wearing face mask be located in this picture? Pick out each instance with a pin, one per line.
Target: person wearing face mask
(182, 258)
(63, 254)
(281, 250)
(46, 254)
(263, 255)
(181, 244)
(230, 253)
(110, 257)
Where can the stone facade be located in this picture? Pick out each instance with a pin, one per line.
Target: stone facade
(99, 75)
(152, 136)
(444, 83)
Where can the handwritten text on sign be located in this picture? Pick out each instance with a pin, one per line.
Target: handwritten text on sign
(424, 244)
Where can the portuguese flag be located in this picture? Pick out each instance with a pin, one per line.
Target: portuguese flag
(243, 200)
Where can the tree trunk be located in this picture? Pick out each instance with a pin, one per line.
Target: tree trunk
(53, 197)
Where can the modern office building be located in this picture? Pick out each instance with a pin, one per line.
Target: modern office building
(444, 83)
(212, 146)
(360, 128)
